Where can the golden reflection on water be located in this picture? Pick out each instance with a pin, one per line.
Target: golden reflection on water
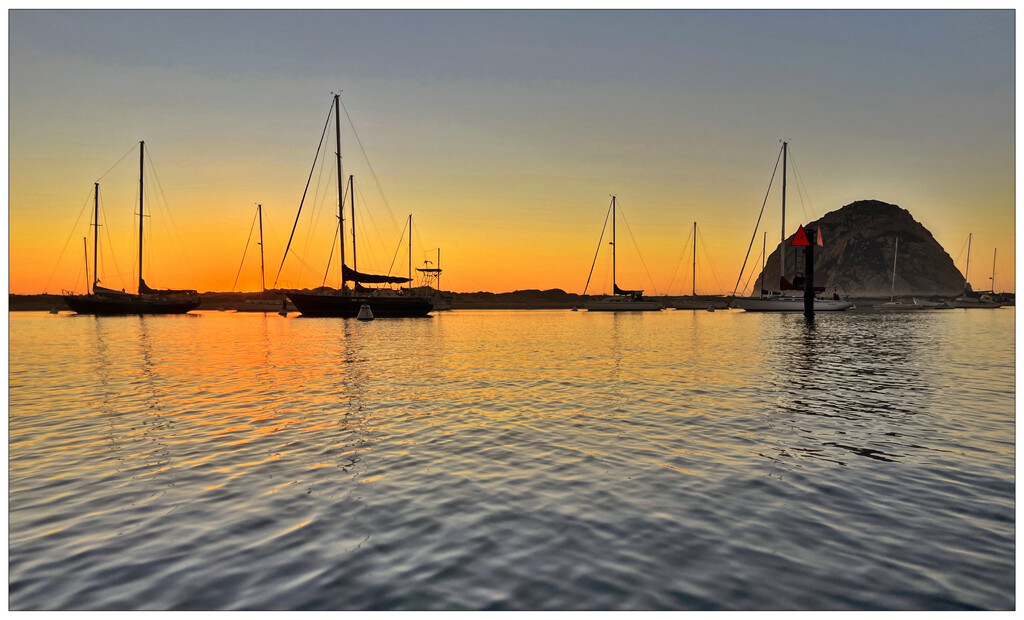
(671, 443)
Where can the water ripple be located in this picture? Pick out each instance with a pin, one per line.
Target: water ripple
(512, 460)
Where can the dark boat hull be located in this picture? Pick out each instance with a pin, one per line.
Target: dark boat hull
(347, 306)
(96, 304)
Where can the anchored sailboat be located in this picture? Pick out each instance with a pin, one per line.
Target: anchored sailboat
(621, 299)
(693, 301)
(264, 303)
(913, 303)
(346, 302)
(777, 301)
(105, 301)
(892, 304)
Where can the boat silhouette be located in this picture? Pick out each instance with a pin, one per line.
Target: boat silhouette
(107, 301)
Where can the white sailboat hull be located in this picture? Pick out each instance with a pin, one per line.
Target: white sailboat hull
(790, 304)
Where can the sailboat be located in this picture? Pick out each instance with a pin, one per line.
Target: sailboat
(346, 303)
(776, 301)
(106, 301)
(621, 299)
(264, 303)
(693, 302)
(969, 298)
(914, 303)
(892, 304)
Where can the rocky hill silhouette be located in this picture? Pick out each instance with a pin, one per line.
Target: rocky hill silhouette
(857, 257)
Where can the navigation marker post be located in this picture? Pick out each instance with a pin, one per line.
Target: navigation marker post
(803, 238)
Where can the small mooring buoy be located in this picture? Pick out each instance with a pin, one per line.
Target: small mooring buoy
(365, 314)
(284, 308)
(711, 308)
(574, 309)
(53, 310)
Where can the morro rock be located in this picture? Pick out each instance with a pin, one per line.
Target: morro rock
(857, 257)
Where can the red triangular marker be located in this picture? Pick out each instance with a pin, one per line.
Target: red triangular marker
(800, 238)
(819, 238)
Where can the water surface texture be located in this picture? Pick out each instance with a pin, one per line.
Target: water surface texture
(512, 460)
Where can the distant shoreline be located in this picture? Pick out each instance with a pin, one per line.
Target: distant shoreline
(554, 299)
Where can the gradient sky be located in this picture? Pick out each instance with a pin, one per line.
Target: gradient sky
(503, 133)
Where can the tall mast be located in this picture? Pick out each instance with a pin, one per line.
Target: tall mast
(892, 288)
(263, 277)
(614, 283)
(764, 247)
(438, 269)
(993, 271)
(693, 284)
(352, 199)
(142, 152)
(967, 269)
(782, 246)
(410, 251)
(85, 248)
(95, 239)
(341, 198)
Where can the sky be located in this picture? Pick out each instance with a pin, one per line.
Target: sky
(503, 134)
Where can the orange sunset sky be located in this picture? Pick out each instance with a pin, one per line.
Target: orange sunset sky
(503, 133)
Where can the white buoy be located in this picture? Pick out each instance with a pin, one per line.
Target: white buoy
(365, 314)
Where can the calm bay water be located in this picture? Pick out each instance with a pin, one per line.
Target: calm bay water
(512, 460)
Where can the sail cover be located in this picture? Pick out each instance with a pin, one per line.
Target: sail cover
(350, 275)
(109, 292)
(144, 289)
(619, 291)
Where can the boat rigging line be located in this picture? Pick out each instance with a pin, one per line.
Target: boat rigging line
(365, 215)
(600, 240)
(801, 189)
(68, 241)
(398, 249)
(166, 213)
(639, 255)
(368, 164)
(747, 283)
(704, 247)
(758, 224)
(311, 170)
(321, 192)
(682, 255)
(129, 152)
(244, 251)
(330, 256)
(85, 205)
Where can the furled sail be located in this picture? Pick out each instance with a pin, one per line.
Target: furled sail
(350, 275)
(145, 290)
(100, 290)
(619, 291)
